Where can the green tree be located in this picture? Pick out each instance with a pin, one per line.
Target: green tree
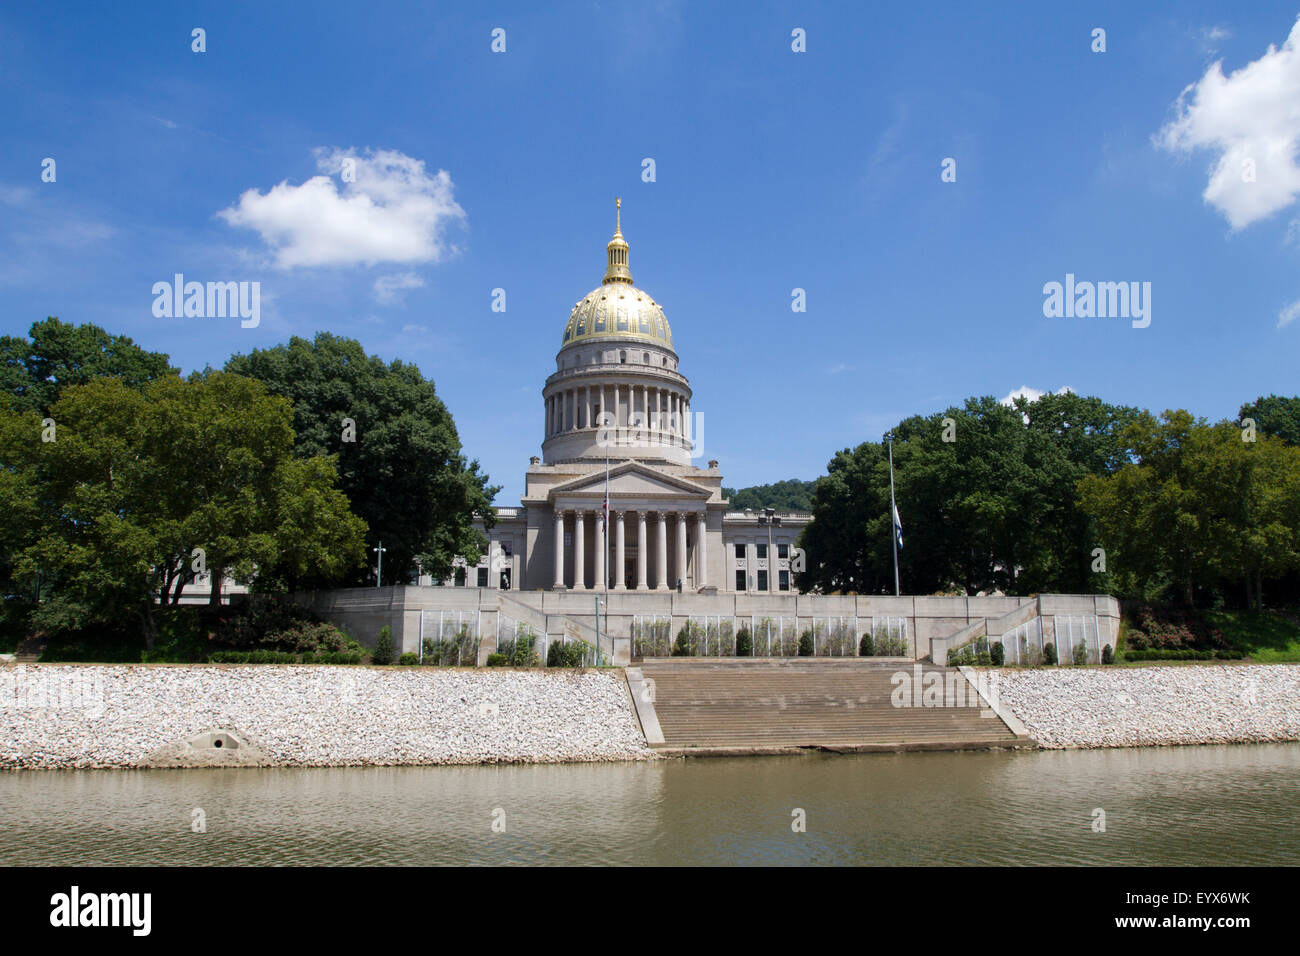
(987, 496)
(35, 370)
(401, 466)
(1275, 415)
(789, 495)
(137, 479)
(1197, 505)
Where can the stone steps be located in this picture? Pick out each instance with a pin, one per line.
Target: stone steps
(757, 704)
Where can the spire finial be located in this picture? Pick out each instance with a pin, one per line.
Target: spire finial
(616, 265)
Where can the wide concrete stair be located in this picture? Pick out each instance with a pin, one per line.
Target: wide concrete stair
(748, 706)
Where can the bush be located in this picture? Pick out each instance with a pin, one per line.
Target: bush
(684, 646)
(1079, 654)
(744, 643)
(409, 658)
(498, 660)
(561, 654)
(383, 652)
(997, 654)
(983, 658)
(519, 651)
(806, 644)
(1107, 655)
(1049, 653)
(1182, 654)
(866, 646)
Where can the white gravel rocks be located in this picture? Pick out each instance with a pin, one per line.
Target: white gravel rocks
(1154, 706)
(80, 716)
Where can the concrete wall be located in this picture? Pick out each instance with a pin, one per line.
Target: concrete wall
(361, 612)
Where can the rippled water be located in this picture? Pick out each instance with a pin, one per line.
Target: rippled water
(1190, 805)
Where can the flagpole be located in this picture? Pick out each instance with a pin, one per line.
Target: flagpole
(893, 512)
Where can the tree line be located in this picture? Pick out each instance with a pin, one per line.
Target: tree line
(1069, 494)
(121, 482)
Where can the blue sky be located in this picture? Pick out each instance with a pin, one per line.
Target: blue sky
(774, 170)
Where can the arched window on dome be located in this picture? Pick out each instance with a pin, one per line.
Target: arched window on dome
(622, 358)
(645, 357)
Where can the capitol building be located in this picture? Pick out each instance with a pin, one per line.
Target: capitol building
(616, 500)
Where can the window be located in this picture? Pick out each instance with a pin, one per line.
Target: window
(784, 579)
(482, 577)
(460, 577)
(740, 579)
(762, 551)
(622, 358)
(740, 552)
(645, 357)
(783, 552)
(507, 548)
(762, 580)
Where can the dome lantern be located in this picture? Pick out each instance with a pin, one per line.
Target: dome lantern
(616, 252)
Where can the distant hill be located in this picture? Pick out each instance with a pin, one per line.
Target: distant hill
(789, 495)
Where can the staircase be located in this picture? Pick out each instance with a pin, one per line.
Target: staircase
(745, 706)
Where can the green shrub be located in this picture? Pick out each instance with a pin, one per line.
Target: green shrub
(1049, 653)
(806, 644)
(684, 646)
(562, 654)
(744, 643)
(1182, 654)
(866, 646)
(498, 660)
(984, 658)
(1107, 655)
(1079, 654)
(409, 658)
(997, 654)
(383, 652)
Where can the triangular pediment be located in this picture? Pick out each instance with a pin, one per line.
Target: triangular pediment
(631, 480)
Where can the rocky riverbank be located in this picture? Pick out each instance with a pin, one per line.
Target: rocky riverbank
(1154, 706)
(87, 716)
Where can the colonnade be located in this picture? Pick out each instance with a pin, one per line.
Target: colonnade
(620, 518)
(660, 409)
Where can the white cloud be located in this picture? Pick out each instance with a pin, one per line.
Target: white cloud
(1289, 314)
(837, 368)
(391, 211)
(1211, 36)
(1250, 118)
(1032, 394)
(388, 287)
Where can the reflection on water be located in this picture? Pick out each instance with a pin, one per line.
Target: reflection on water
(1179, 806)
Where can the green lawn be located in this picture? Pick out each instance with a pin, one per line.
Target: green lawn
(1270, 637)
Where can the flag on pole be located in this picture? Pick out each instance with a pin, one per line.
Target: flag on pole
(898, 527)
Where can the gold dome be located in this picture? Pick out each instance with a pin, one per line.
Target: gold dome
(618, 309)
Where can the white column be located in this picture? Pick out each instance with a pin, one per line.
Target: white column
(681, 548)
(640, 552)
(579, 552)
(661, 578)
(620, 562)
(599, 581)
(586, 406)
(701, 553)
(559, 549)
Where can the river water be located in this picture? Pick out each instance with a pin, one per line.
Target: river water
(1226, 805)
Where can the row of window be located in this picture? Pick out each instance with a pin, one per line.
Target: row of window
(782, 552)
(760, 580)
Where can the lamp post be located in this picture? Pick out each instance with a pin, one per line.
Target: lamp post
(379, 574)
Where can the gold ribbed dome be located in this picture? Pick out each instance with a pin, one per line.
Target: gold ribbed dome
(618, 309)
